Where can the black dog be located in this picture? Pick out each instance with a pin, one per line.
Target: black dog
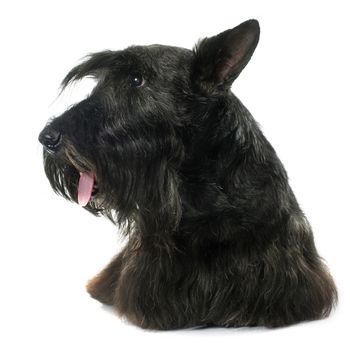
(163, 148)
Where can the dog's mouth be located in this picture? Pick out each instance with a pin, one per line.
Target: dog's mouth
(87, 188)
(87, 184)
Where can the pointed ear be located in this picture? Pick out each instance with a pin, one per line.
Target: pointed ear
(220, 59)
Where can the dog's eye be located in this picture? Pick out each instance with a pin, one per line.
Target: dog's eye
(136, 80)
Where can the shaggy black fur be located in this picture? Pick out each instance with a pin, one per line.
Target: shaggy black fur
(215, 234)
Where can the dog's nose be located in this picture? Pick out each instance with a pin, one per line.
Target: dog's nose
(50, 139)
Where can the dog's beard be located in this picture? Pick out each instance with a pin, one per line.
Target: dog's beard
(66, 174)
(125, 196)
(63, 176)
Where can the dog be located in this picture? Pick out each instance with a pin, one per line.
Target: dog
(168, 153)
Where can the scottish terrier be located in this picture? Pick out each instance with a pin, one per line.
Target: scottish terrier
(165, 150)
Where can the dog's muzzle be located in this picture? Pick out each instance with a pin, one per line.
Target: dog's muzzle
(51, 139)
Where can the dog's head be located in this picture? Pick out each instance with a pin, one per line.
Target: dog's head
(126, 148)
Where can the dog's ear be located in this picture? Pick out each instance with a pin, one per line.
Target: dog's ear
(220, 59)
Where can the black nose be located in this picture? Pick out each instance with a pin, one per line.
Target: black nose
(50, 138)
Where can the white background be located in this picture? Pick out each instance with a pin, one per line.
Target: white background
(296, 86)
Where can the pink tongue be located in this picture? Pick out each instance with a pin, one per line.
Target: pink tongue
(85, 186)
